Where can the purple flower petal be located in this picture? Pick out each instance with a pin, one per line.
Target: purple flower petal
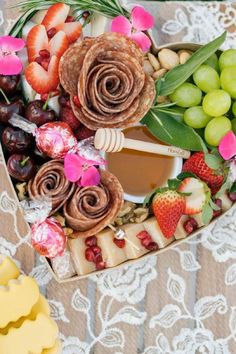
(227, 147)
(12, 44)
(141, 19)
(90, 177)
(73, 167)
(142, 40)
(120, 24)
(10, 64)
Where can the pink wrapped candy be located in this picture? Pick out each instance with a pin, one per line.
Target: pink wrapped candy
(55, 139)
(48, 238)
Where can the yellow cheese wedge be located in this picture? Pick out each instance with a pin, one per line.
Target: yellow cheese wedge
(111, 254)
(17, 299)
(131, 231)
(77, 247)
(152, 227)
(8, 270)
(41, 306)
(32, 337)
(56, 349)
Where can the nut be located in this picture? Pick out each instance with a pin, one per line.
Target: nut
(159, 73)
(60, 219)
(68, 231)
(168, 58)
(21, 190)
(148, 68)
(184, 55)
(154, 62)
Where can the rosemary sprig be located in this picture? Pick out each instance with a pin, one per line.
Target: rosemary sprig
(109, 8)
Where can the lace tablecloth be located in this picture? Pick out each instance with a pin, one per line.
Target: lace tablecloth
(181, 302)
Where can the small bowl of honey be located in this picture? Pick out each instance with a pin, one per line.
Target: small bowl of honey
(141, 172)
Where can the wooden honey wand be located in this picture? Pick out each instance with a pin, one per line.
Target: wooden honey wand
(113, 140)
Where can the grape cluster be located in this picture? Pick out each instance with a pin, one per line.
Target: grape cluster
(209, 97)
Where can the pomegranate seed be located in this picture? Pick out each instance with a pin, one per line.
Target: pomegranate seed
(62, 101)
(190, 225)
(51, 32)
(119, 243)
(38, 60)
(44, 97)
(89, 255)
(91, 241)
(100, 265)
(146, 241)
(68, 104)
(216, 213)
(143, 234)
(96, 250)
(45, 64)
(76, 101)
(152, 246)
(44, 53)
(70, 19)
(98, 258)
(232, 196)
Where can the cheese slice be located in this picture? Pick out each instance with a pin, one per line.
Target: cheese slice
(152, 227)
(77, 247)
(131, 231)
(8, 270)
(56, 349)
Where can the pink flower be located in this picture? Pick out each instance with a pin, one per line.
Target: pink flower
(227, 147)
(80, 170)
(141, 20)
(10, 64)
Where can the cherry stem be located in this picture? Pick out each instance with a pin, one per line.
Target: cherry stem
(5, 97)
(23, 162)
(45, 106)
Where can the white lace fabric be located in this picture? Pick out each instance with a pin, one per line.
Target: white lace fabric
(181, 302)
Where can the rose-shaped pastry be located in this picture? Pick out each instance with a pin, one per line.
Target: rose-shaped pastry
(50, 182)
(90, 209)
(107, 75)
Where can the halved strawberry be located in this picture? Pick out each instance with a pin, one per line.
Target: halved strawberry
(43, 81)
(72, 30)
(36, 40)
(56, 15)
(200, 195)
(58, 44)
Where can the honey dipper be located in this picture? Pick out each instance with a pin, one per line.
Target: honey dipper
(113, 140)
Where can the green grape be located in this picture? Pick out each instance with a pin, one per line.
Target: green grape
(216, 103)
(227, 58)
(233, 122)
(216, 130)
(206, 78)
(234, 108)
(228, 80)
(196, 118)
(186, 95)
(213, 62)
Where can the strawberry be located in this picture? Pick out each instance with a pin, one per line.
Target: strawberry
(56, 18)
(168, 207)
(67, 115)
(40, 80)
(58, 44)
(83, 132)
(196, 165)
(200, 195)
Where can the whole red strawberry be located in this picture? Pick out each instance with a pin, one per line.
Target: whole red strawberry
(197, 165)
(168, 207)
(67, 116)
(83, 132)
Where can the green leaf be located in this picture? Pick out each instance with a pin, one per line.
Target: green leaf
(174, 183)
(213, 161)
(233, 188)
(150, 196)
(207, 214)
(167, 129)
(181, 73)
(184, 175)
(176, 112)
(213, 205)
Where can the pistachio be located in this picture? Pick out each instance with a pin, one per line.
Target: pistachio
(184, 55)
(148, 68)
(21, 190)
(119, 221)
(162, 99)
(154, 62)
(168, 58)
(159, 73)
(60, 219)
(126, 208)
(68, 231)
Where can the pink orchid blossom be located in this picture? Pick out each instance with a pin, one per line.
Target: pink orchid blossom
(141, 20)
(10, 64)
(80, 170)
(227, 147)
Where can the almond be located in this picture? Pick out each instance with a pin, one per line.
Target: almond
(168, 58)
(154, 62)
